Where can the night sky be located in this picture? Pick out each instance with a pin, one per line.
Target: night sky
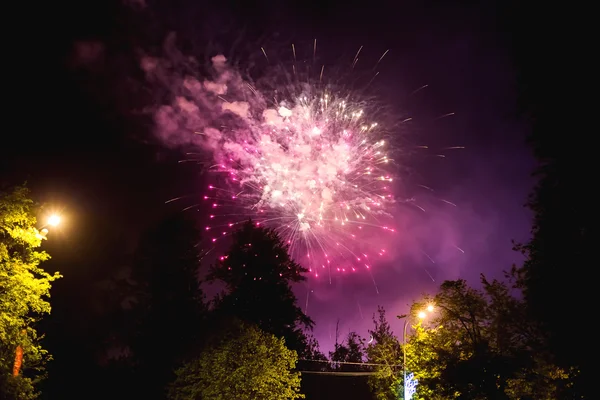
(84, 145)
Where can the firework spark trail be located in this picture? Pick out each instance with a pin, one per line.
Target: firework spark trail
(292, 152)
(309, 163)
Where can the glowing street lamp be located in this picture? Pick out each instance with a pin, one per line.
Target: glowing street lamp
(421, 315)
(54, 220)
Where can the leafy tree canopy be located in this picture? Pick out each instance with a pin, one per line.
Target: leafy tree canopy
(478, 344)
(243, 363)
(384, 350)
(24, 293)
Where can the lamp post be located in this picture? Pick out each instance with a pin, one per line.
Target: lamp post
(421, 315)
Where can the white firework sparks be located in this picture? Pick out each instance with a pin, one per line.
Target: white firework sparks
(313, 166)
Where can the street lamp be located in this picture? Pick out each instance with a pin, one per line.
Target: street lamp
(54, 220)
(421, 315)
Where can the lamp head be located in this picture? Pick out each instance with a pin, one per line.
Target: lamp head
(54, 220)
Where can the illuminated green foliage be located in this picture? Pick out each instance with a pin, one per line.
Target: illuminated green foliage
(385, 350)
(243, 363)
(541, 381)
(479, 344)
(24, 292)
(424, 357)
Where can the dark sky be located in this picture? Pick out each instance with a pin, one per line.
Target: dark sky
(80, 141)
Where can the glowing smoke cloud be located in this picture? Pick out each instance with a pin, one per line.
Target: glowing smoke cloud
(312, 166)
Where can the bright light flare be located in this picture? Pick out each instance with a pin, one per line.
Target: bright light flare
(314, 170)
(54, 220)
(422, 314)
(430, 308)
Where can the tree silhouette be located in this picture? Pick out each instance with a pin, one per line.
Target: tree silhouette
(257, 272)
(561, 251)
(312, 358)
(351, 350)
(168, 311)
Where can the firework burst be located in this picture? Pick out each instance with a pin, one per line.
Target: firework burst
(306, 160)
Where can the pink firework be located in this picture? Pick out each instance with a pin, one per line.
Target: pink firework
(313, 165)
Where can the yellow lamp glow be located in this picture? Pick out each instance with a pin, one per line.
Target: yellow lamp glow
(54, 220)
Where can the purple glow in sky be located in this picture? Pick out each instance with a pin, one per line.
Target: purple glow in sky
(470, 183)
(488, 181)
(443, 60)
